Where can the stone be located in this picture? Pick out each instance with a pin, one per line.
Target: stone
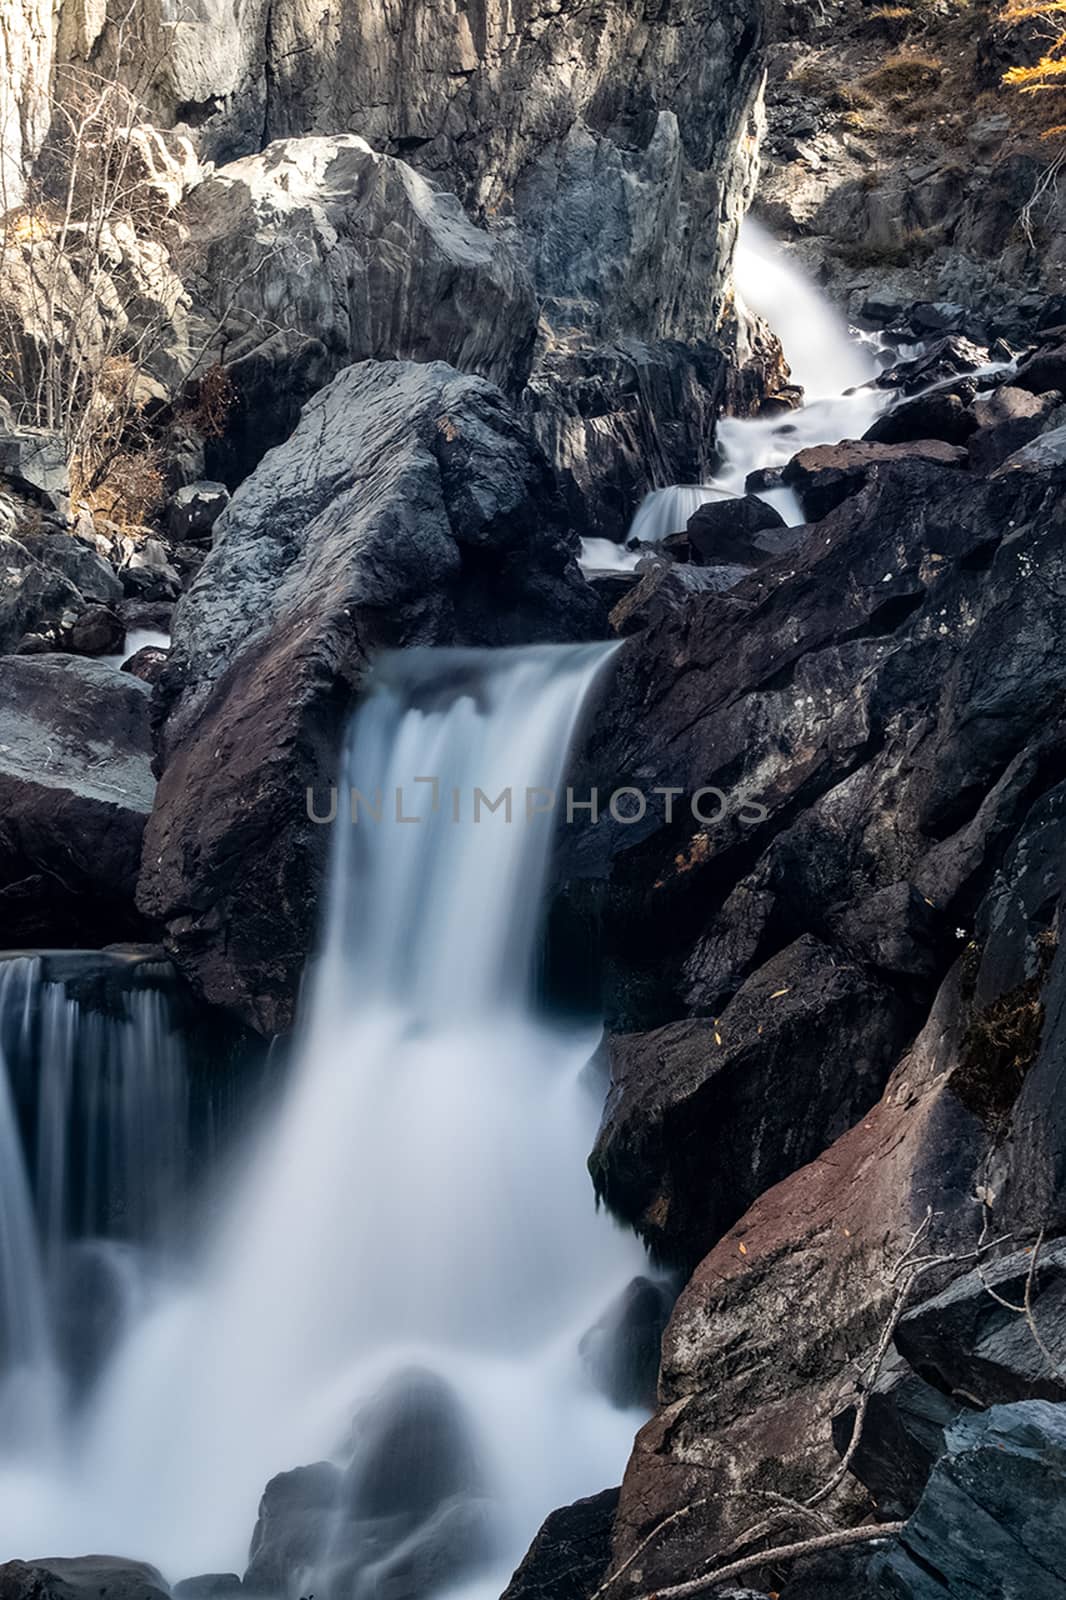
(1008, 419)
(944, 359)
(195, 508)
(1046, 453)
(149, 575)
(409, 507)
(993, 1517)
(733, 532)
(620, 1352)
(96, 631)
(35, 463)
(827, 474)
(149, 663)
(902, 1437)
(664, 589)
(927, 416)
(75, 792)
(1044, 370)
(208, 1586)
(329, 238)
(294, 1513)
(81, 1578)
(569, 1557)
(704, 1115)
(970, 1345)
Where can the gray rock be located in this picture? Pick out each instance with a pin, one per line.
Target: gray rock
(195, 509)
(409, 507)
(81, 1578)
(902, 1437)
(327, 238)
(148, 574)
(569, 1557)
(1007, 420)
(992, 1520)
(36, 463)
(1047, 453)
(620, 1352)
(75, 791)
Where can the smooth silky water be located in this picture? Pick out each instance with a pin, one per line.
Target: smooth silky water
(418, 1200)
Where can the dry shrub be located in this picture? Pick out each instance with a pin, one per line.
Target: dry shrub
(903, 76)
(215, 398)
(129, 489)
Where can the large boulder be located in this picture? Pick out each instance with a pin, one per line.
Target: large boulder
(81, 1578)
(330, 239)
(76, 788)
(408, 508)
(826, 474)
(993, 1518)
(568, 1558)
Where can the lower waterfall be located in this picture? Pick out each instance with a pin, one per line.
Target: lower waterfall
(409, 1237)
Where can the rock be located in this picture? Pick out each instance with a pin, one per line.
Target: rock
(195, 509)
(944, 359)
(96, 631)
(902, 1437)
(826, 475)
(149, 575)
(327, 238)
(970, 1345)
(148, 663)
(664, 589)
(927, 416)
(408, 508)
(208, 1586)
(938, 316)
(1006, 420)
(294, 1516)
(1047, 453)
(81, 1578)
(993, 1518)
(35, 462)
(568, 1558)
(75, 792)
(733, 532)
(620, 1352)
(704, 1115)
(1044, 370)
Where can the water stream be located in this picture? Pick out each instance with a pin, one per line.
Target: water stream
(409, 1237)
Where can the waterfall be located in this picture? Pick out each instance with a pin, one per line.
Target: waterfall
(410, 1241)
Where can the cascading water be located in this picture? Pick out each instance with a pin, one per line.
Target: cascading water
(411, 1237)
(832, 364)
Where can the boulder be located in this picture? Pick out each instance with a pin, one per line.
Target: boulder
(35, 463)
(944, 359)
(968, 1343)
(1044, 370)
(621, 1351)
(195, 508)
(1045, 454)
(148, 573)
(81, 1578)
(328, 238)
(47, 574)
(992, 1520)
(706, 1114)
(568, 1558)
(409, 507)
(208, 1586)
(902, 1437)
(664, 589)
(294, 1517)
(1006, 420)
(96, 631)
(827, 474)
(75, 792)
(743, 532)
(928, 416)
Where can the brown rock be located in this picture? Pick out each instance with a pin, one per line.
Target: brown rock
(828, 474)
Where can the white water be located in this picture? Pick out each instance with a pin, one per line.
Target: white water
(831, 364)
(419, 1198)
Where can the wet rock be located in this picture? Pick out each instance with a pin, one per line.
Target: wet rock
(81, 1578)
(331, 239)
(993, 1518)
(195, 509)
(944, 359)
(569, 1558)
(1007, 419)
(96, 631)
(733, 532)
(75, 792)
(763, 1077)
(148, 663)
(1044, 370)
(621, 1351)
(826, 475)
(928, 416)
(902, 1437)
(293, 1523)
(408, 508)
(969, 1344)
(1047, 453)
(663, 590)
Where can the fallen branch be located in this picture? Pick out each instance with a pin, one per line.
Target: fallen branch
(783, 1552)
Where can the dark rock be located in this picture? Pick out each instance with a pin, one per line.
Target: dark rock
(155, 616)
(149, 575)
(937, 316)
(269, 385)
(802, 1049)
(928, 416)
(35, 463)
(1006, 420)
(413, 1449)
(149, 663)
(1045, 454)
(612, 587)
(902, 1436)
(664, 589)
(826, 475)
(294, 1518)
(944, 359)
(969, 1344)
(75, 792)
(195, 508)
(1044, 370)
(408, 508)
(621, 1351)
(96, 631)
(81, 1578)
(46, 576)
(992, 1520)
(568, 1559)
(732, 532)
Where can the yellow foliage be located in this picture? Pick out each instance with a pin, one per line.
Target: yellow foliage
(1047, 74)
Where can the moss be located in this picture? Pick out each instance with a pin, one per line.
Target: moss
(1001, 1043)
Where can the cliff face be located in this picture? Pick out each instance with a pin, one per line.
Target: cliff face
(604, 141)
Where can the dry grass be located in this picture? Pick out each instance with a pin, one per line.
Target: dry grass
(903, 76)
